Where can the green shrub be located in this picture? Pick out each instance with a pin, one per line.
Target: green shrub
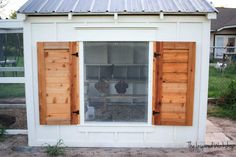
(56, 150)
(230, 97)
(219, 111)
(231, 68)
(219, 81)
(2, 134)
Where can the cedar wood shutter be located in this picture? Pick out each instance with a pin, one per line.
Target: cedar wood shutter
(173, 83)
(57, 74)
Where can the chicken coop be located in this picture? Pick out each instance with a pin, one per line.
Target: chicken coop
(116, 73)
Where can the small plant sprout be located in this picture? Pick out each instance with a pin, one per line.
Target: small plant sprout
(2, 134)
(56, 150)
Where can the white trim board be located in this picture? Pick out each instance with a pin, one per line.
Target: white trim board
(17, 132)
(12, 80)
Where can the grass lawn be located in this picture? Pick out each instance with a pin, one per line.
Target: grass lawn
(219, 81)
(20, 63)
(218, 111)
(221, 85)
(12, 91)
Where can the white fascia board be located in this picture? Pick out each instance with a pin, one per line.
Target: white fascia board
(10, 24)
(21, 17)
(226, 27)
(212, 16)
(89, 26)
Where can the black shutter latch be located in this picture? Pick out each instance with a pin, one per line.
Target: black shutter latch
(155, 113)
(76, 112)
(75, 54)
(157, 54)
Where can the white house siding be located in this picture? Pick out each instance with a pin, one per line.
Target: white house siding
(126, 28)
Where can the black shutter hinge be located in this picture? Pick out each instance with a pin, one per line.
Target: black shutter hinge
(76, 112)
(157, 54)
(155, 113)
(75, 54)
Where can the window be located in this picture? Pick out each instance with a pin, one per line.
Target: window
(224, 44)
(116, 81)
(11, 55)
(12, 84)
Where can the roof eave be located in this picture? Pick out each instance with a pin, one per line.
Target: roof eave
(112, 13)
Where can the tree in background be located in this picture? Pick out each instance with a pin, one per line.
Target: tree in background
(13, 15)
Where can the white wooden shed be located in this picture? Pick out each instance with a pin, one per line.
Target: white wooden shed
(116, 73)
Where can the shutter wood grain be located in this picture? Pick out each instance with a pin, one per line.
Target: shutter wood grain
(57, 75)
(173, 81)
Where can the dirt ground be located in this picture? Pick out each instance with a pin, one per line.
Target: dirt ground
(227, 126)
(16, 146)
(19, 114)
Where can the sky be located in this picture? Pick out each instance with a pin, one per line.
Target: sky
(15, 4)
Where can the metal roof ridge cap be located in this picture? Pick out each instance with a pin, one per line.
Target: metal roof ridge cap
(58, 6)
(184, 6)
(190, 1)
(109, 5)
(204, 4)
(45, 2)
(112, 13)
(177, 6)
(92, 5)
(75, 6)
(142, 5)
(211, 5)
(126, 6)
(24, 6)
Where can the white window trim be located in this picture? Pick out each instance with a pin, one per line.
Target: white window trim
(12, 80)
(81, 87)
(18, 26)
(12, 24)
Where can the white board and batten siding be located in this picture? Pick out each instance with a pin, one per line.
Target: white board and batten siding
(126, 28)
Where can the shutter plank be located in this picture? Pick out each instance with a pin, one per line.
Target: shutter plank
(179, 57)
(175, 67)
(173, 98)
(175, 77)
(61, 108)
(56, 82)
(174, 87)
(174, 107)
(60, 99)
(175, 83)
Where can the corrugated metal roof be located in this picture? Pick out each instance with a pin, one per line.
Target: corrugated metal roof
(116, 6)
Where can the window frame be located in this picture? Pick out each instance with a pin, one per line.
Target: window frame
(18, 26)
(81, 88)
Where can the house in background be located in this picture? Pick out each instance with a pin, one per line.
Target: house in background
(223, 33)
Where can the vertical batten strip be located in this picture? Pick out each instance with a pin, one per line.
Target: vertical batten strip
(42, 83)
(190, 93)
